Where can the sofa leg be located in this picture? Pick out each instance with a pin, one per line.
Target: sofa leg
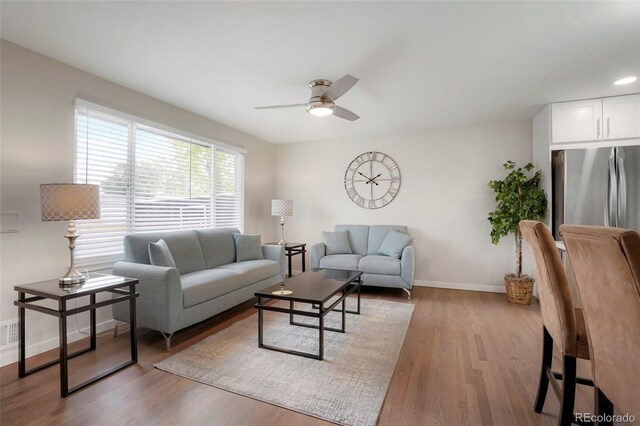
(167, 340)
(408, 293)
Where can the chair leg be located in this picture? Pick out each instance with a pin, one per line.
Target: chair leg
(115, 329)
(568, 390)
(604, 408)
(547, 356)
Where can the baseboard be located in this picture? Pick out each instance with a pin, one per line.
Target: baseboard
(10, 355)
(460, 286)
(452, 286)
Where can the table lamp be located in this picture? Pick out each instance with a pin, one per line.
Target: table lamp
(281, 208)
(70, 202)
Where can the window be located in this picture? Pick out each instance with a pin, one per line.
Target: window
(151, 178)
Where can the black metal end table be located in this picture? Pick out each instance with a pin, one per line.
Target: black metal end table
(292, 249)
(124, 288)
(317, 288)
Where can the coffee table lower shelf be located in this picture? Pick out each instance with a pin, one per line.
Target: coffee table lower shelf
(319, 311)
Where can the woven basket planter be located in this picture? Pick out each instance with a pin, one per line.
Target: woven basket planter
(519, 289)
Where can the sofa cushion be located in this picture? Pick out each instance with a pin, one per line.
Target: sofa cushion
(184, 246)
(358, 237)
(377, 234)
(252, 271)
(382, 265)
(160, 255)
(201, 286)
(336, 242)
(218, 245)
(394, 243)
(248, 247)
(347, 262)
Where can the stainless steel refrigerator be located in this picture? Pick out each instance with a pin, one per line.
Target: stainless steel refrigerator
(596, 186)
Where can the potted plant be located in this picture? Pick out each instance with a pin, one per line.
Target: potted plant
(518, 197)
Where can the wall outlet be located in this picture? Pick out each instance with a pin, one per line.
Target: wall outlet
(8, 333)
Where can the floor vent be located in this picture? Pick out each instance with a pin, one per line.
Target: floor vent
(8, 333)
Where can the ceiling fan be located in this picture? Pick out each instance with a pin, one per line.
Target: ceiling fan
(324, 93)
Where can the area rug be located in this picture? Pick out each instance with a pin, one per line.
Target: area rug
(347, 387)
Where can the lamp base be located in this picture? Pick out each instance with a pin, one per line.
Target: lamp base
(282, 241)
(72, 277)
(71, 280)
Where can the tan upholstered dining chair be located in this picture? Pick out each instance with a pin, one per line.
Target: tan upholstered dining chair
(561, 322)
(606, 264)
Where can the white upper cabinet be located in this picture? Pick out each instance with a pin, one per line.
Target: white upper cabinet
(621, 117)
(577, 121)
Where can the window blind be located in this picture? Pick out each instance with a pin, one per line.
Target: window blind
(151, 179)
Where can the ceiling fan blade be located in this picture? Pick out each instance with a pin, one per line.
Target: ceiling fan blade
(345, 113)
(280, 106)
(340, 87)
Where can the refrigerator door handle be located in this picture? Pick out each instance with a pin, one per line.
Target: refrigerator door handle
(611, 202)
(622, 192)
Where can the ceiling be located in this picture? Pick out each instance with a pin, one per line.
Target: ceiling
(422, 65)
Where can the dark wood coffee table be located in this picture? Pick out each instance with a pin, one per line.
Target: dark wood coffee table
(316, 287)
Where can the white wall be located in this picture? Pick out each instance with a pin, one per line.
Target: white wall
(444, 198)
(37, 147)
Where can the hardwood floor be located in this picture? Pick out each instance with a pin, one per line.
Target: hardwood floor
(468, 358)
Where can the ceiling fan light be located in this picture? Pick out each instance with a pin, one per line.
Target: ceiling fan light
(320, 109)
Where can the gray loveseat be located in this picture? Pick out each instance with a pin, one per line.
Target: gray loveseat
(207, 279)
(378, 270)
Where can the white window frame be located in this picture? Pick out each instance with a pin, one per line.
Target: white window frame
(106, 261)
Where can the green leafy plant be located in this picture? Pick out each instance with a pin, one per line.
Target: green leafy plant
(518, 197)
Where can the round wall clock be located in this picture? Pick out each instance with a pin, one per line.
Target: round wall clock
(372, 180)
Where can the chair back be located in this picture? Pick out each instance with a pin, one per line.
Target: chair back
(556, 306)
(606, 264)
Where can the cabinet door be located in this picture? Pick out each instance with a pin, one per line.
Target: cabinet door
(621, 116)
(576, 121)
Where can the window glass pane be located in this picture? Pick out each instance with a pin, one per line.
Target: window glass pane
(151, 179)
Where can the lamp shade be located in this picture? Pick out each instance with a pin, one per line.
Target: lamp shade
(69, 201)
(281, 208)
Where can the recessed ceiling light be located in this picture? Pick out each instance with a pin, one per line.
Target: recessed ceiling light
(625, 80)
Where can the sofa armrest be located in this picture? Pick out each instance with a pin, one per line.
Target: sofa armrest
(275, 252)
(408, 265)
(160, 295)
(316, 252)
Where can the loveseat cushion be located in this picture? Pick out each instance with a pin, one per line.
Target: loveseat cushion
(248, 247)
(347, 262)
(183, 245)
(377, 234)
(394, 243)
(201, 286)
(252, 271)
(218, 245)
(160, 255)
(336, 242)
(358, 237)
(382, 265)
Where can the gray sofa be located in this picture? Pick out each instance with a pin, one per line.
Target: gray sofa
(378, 270)
(207, 279)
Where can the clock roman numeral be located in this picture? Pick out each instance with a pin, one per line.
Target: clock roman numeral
(371, 204)
(351, 192)
(360, 201)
